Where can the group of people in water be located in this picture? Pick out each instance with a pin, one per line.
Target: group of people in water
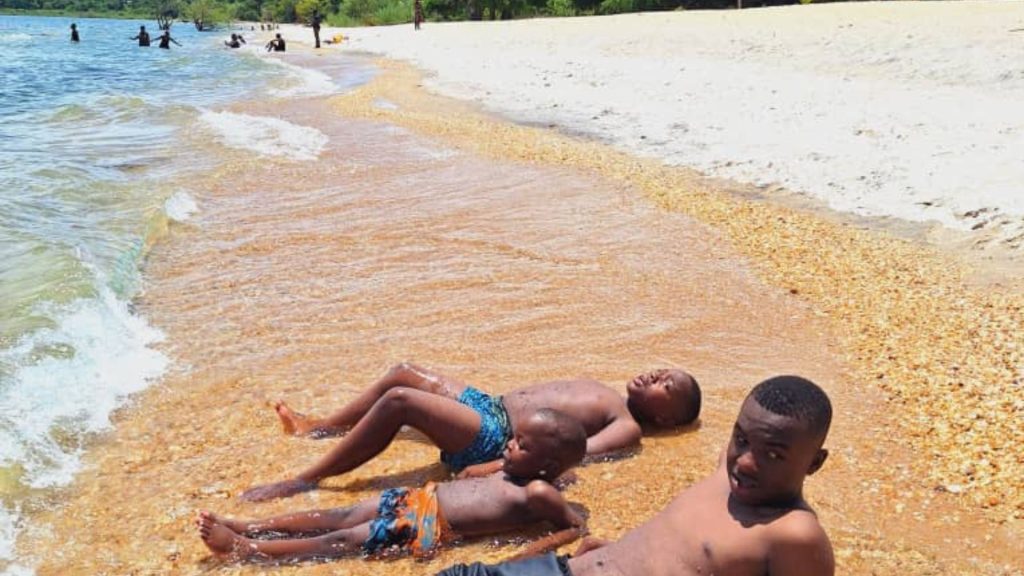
(277, 44)
(513, 456)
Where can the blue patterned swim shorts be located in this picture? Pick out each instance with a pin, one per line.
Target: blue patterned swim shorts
(495, 431)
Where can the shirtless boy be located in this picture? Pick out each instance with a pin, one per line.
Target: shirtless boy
(748, 518)
(472, 427)
(546, 445)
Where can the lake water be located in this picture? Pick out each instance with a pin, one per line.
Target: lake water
(100, 143)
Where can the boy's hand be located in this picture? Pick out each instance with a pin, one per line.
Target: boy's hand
(277, 490)
(591, 543)
(549, 543)
(479, 470)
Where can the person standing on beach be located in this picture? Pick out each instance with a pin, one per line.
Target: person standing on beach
(417, 14)
(316, 27)
(74, 33)
(143, 37)
(165, 40)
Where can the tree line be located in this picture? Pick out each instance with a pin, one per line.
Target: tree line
(208, 13)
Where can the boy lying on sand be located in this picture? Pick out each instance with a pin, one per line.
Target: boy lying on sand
(547, 444)
(472, 427)
(749, 517)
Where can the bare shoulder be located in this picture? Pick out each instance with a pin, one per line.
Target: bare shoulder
(799, 525)
(799, 545)
(539, 489)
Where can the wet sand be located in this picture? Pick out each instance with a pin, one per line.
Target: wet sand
(505, 255)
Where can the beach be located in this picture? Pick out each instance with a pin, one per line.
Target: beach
(892, 110)
(470, 204)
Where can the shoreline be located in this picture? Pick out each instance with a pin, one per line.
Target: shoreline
(867, 458)
(856, 112)
(788, 263)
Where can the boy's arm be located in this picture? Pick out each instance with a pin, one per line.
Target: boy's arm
(547, 503)
(620, 434)
(480, 470)
(801, 548)
(591, 543)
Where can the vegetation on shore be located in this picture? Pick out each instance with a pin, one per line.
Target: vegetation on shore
(352, 12)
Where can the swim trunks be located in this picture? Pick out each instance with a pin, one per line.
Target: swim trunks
(495, 431)
(407, 518)
(546, 565)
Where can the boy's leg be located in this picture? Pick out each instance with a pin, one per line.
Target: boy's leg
(304, 522)
(225, 542)
(404, 375)
(449, 425)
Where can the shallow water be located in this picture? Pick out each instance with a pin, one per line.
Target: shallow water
(305, 279)
(92, 170)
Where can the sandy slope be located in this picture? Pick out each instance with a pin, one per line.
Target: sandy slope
(908, 109)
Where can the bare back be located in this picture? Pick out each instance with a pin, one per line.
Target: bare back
(589, 401)
(699, 533)
(485, 505)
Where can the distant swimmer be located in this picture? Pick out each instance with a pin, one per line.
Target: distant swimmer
(74, 33)
(235, 42)
(165, 40)
(277, 44)
(143, 36)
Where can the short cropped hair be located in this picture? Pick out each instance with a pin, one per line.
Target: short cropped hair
(691, 410)
(796, 397)
(567, 437)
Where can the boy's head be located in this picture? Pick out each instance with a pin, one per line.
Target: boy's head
(547, 444)
(665, 398)
(776, 441)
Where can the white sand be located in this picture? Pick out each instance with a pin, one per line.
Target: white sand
(906, 109)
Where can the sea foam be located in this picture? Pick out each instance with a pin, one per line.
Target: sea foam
(308, 82)
(71, 377)
(180, 206)
(264, 135)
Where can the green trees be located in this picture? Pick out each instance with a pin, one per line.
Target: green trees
(304, 9)
(165, 12)
(204, 13)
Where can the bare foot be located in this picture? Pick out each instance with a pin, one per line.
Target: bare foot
(294, 424)
(237, 526)
(277, 490)
(298, 424)
(220, 539)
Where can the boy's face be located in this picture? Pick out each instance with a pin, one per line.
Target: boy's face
(660, 395)
(527, 452)
(770, 455)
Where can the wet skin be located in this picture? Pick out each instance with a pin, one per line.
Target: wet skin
(502, 501)
(747, 518)
(413, 396)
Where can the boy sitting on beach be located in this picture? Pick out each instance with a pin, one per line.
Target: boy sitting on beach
(546, 445)
(472, 427)
(749, 517)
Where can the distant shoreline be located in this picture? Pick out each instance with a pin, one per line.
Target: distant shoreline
(73, 14)
(904, 113)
